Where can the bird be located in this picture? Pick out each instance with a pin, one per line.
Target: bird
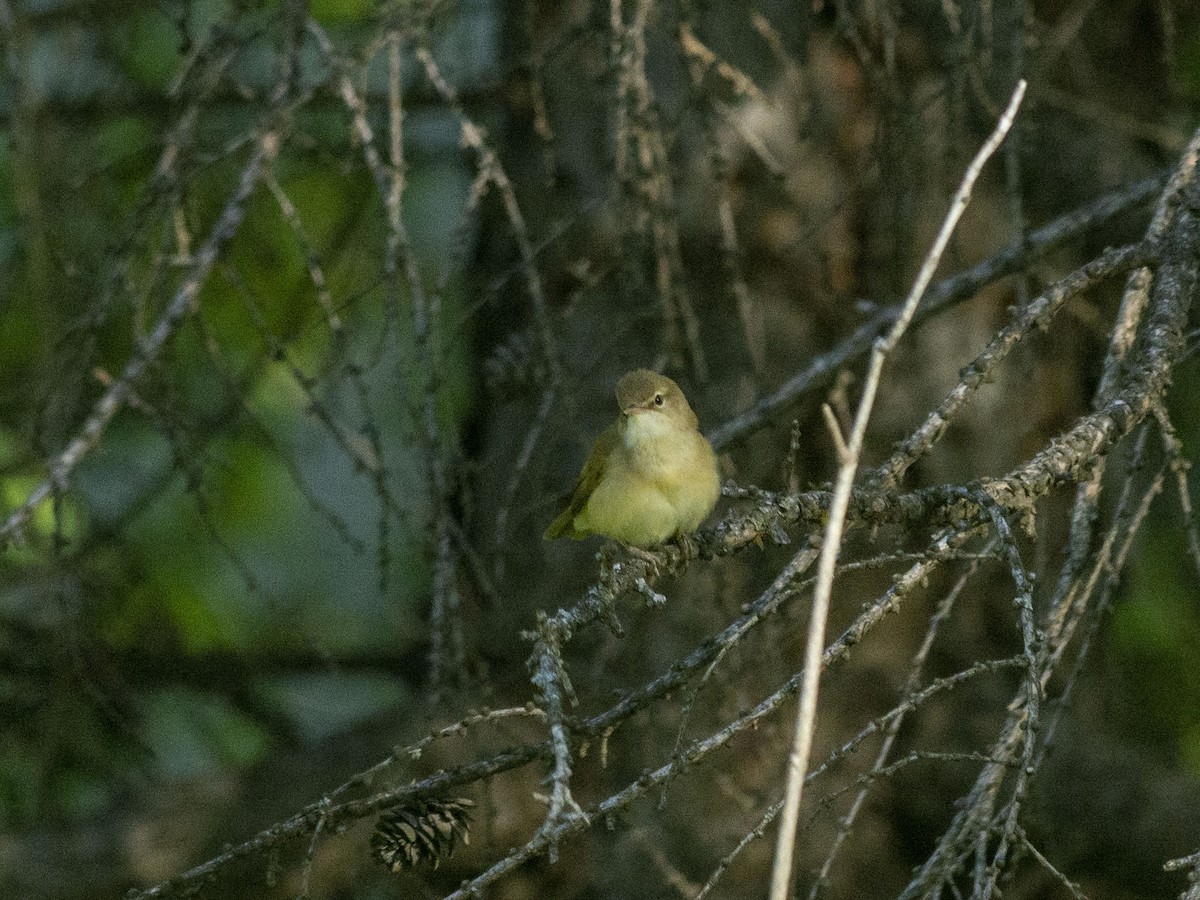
(651, 475)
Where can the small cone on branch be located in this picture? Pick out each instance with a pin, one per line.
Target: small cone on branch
(423, 830)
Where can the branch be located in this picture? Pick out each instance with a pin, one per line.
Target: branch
(941, 296)
(120, 390)
(781, 874)
(1070, 457)
(1192, 865)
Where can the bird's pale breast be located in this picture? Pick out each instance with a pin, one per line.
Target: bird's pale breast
(665, 482)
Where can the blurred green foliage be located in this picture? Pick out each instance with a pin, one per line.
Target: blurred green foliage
(1156, 623)
(332, 12)
(227, 514)
(152, 55)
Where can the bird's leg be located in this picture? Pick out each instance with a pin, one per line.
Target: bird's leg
(653, 560)
(648, 556)
(687, 545)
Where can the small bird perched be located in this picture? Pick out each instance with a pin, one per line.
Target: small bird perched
(651, 474)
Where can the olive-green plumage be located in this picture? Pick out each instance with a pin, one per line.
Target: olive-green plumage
(651, 474)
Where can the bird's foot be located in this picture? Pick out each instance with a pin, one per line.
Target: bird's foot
(648, 556)
(688, 546)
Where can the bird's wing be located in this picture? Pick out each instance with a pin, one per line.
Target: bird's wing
(592, 474)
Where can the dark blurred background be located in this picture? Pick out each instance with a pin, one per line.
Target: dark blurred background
(312, 533)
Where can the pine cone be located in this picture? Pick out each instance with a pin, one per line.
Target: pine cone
(421, 831)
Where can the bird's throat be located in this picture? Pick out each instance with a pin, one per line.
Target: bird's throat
(657, 447)
(646, 428)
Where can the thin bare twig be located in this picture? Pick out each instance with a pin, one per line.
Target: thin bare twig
(945, 293)
(781, 874)
(120, 390)
(1191, 864)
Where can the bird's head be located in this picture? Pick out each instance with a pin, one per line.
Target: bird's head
(653, 404)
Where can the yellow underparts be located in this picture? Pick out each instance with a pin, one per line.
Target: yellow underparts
(661, 481)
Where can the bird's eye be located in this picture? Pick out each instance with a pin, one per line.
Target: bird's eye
(658, 400)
